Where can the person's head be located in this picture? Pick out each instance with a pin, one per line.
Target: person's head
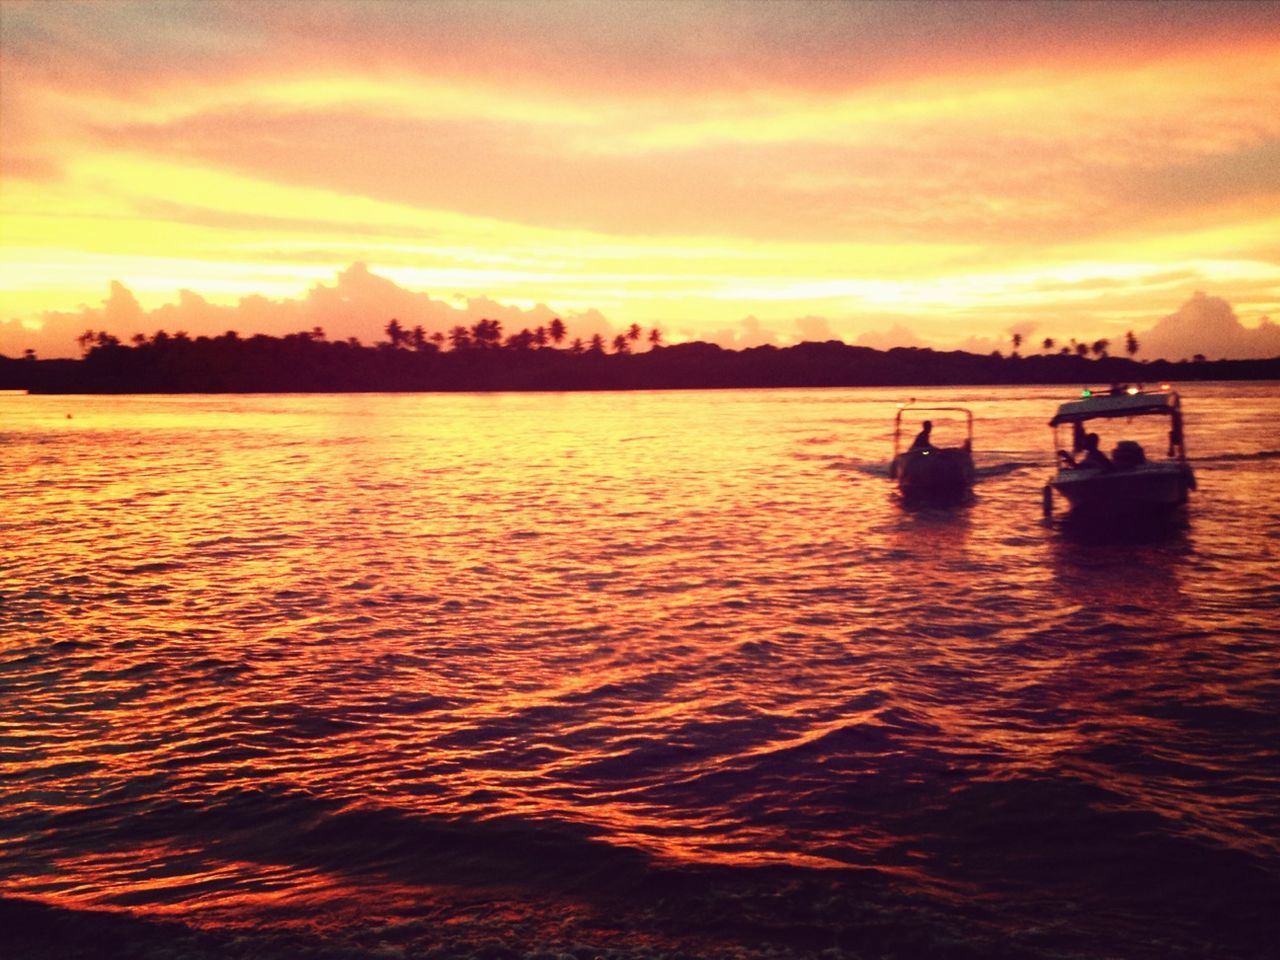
(928, 425)
(1091, 442)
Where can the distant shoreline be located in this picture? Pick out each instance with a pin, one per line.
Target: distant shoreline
(297, 364)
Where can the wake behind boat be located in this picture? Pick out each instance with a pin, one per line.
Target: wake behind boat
(1128, 483)
(927, 473)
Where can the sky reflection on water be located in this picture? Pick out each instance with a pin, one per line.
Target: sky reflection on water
(261, 653)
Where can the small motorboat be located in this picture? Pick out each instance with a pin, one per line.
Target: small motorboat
(926, 473)
(1129, 483)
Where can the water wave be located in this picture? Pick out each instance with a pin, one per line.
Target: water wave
(481, 677)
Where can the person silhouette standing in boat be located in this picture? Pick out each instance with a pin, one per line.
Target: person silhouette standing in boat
(922, 441)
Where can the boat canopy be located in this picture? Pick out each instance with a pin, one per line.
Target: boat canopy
(1121, 404)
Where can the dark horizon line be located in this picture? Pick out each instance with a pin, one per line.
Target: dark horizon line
(300, 363)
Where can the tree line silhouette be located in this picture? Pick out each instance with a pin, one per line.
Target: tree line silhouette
(1077, 348)
(481, 357)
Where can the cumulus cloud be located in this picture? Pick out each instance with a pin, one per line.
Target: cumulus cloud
(749, 332)
(981, 345)
(816, 329)
(1208, 325)
(1023, 329)
(896, 336)
(358, 304)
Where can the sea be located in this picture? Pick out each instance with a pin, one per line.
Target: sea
(628, 675)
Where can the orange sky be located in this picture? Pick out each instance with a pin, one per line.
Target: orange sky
(884, 172)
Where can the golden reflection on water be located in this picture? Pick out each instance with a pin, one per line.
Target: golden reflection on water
(698, 625)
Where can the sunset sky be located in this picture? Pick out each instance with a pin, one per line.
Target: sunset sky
(885, 173)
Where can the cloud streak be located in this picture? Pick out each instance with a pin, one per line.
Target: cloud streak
(660, 47)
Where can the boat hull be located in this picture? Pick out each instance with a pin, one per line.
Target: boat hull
(934, 475)
(1150, 488)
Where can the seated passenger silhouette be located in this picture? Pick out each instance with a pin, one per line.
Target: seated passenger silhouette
(922, 442)
(1094, 459)
(1128, 454)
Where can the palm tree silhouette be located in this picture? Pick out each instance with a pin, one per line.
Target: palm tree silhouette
(655, 337)
(1049, 344)
(486, 333)
(1099, 348)
(1130, 344)
(520, 341)
(620, 344)
(597, 344)
(557, 331)
(395, 334)
(1017, 342)
(459, 337)
(634, 332)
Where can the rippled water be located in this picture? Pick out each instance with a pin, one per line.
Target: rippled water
(625, 675)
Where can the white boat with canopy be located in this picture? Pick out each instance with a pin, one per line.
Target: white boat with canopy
(1131, 480)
